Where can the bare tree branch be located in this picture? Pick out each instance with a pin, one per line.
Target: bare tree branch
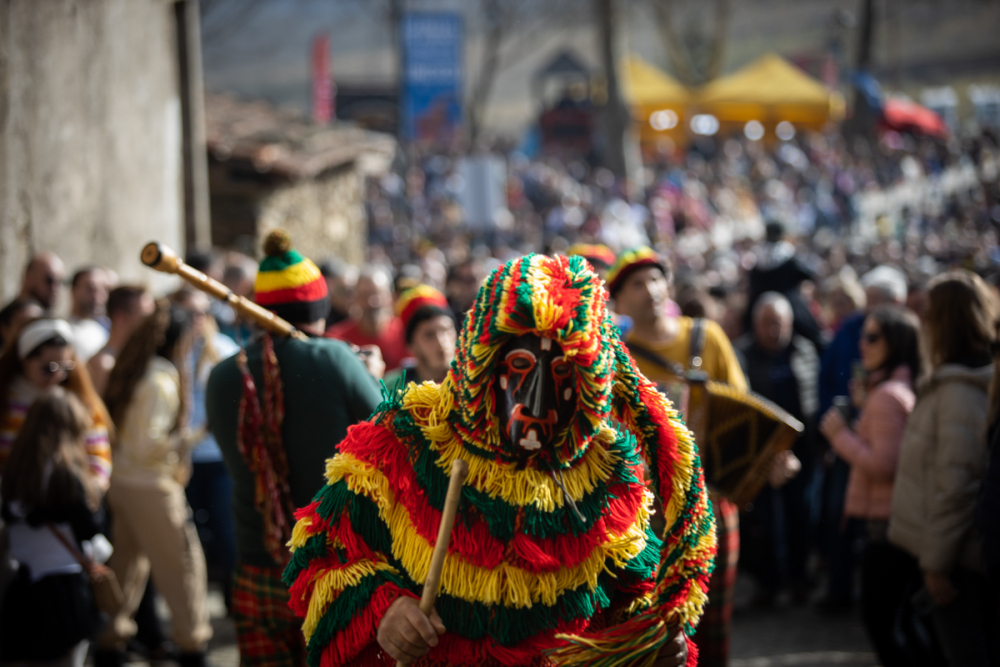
(221, 19)
(719, 39)
(699, 55)
(506, 43)
(496, 26)
(680, 61)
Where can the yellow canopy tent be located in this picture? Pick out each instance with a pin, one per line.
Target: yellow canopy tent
(658, 101)
(769, 90)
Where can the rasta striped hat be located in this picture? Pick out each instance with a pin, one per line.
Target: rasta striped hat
(600, 256)
(289, 284)
(629, 262)
(418, 304)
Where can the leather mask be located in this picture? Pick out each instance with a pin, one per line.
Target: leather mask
(535, 393)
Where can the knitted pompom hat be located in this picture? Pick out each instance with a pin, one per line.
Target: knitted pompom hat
(289, 284)
(600, 256)
(418, 304)
(632, 260)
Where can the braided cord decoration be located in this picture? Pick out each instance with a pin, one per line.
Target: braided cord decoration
(259, 440)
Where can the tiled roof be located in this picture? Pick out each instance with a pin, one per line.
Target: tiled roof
(283, 142)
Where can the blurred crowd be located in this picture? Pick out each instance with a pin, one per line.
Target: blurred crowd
(845, 327)
(705, 206)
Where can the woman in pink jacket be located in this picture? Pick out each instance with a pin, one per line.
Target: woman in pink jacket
(890, 353)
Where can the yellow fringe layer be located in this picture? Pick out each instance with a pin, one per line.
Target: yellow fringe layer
(683, 478)
(328, 586)
(430, 405)
(684, 470)
(507, 584)
(301, 533)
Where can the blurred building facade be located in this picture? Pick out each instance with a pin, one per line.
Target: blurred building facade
(99, 110)
(272, 167)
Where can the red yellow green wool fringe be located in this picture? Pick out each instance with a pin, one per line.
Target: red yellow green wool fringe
(526, 581)
(259, 441)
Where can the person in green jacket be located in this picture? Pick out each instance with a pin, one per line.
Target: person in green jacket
(278, 410)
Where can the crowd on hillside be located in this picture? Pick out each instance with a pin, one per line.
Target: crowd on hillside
(102, 404)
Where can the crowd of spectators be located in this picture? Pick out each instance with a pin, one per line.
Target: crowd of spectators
(707, 208)
(770, 243)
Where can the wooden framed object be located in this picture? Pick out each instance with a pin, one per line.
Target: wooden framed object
(738, 434)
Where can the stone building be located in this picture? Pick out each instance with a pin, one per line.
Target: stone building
(272, 168)
(100, 133)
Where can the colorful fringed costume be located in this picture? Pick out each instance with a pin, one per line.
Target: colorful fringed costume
(526, 581)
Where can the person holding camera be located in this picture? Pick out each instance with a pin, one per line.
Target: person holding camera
(890, 355)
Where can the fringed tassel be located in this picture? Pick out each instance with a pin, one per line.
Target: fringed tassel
(634, 643)
(258, 438)
(692, 660)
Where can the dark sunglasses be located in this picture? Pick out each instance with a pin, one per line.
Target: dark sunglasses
(54, 367)
(871, 337)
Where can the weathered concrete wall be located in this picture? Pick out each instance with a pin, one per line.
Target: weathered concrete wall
(90, 134)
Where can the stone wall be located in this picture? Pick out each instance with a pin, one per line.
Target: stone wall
(90, 134)
(325, 216)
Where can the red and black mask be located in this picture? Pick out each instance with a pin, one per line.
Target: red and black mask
(535, 393)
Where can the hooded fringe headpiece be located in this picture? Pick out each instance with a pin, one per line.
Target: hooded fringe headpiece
(553, 297)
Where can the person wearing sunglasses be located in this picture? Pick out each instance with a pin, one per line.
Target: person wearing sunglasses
(890, 355)
(42, 357)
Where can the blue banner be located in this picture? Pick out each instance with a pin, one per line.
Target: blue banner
(432, 82)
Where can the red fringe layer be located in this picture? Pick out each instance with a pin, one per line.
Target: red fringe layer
(471, 539)
(355, 550)
(361, 630)
(456, 650)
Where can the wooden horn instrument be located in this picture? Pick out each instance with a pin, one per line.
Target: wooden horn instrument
(160, 257)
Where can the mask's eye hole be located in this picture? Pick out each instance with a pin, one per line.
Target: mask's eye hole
(520, 362)
(561, 369)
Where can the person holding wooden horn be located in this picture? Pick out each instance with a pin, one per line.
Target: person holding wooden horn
(278, 410)
(552, 559)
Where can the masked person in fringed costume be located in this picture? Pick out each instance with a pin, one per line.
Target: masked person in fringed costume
(552, 560)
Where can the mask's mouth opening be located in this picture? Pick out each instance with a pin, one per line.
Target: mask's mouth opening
(531, 433)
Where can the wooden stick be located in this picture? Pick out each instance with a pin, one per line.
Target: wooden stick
(459, 471)
(160, 257)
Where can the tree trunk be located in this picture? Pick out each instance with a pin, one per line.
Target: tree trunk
(396, 30)
(866, 30)
(865, 117)
(616, 116)
(679, 59)
(719, 40)
(492, 42)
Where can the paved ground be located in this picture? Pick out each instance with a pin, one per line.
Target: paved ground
(786, 636)
(799, 636)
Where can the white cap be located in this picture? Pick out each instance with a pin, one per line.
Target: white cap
(891, 281)
(41, 331)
